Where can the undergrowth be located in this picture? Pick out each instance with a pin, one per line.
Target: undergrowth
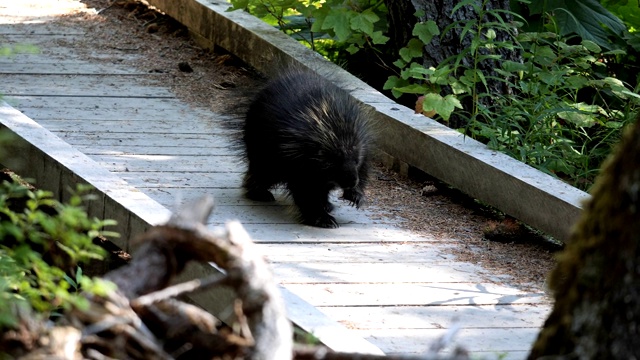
(44, 242)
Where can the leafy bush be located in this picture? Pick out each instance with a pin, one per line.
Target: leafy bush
(563, 109)
(353, 25)
(43, 241)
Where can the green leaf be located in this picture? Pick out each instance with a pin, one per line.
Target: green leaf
(426, 31)
(544, 56)
(378, 38)
(411, 89)
(400, 64)
(577, 81)
(320, 16)
(412, 50)
(490, 34)
(586, 18)
(352, 49)
(512, 66)
(338, 20)
(443, 106)
(591, 46)
(579, 119)
(362, 22)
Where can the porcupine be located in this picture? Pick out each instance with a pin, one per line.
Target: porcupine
(305, 133)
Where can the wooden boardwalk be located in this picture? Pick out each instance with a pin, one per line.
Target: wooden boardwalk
(398, 290)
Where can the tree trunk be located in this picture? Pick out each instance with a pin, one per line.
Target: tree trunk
(597, 280)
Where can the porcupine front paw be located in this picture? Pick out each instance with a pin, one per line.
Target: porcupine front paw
(323, 221)
(355, 197)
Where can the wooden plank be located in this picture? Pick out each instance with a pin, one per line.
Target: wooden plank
(98, 108)
(278, 213)
(512, 316)
(81, 86)
(283, 232)
(144, 140)
(359, 272)
(52, 53)
(437, 294)
(168, 163)
(162, 125)
(427, 252)
(137, 149)
(12, 65)
(504, 343)
(173, 183)
(21, 31)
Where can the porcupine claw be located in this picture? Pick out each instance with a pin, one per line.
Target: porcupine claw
(355, 197)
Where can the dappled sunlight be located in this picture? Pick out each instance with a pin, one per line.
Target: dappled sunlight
(39, 11)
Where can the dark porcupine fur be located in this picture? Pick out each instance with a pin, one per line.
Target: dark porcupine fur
(303, 132)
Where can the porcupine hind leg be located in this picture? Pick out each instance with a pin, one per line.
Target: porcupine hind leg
(257, 183)
(313, 205)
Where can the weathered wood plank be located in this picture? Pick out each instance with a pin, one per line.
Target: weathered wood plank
(375, 273)
(53, 102)
(168, 163)
(144, 140)
(283, 232)
(52, 108)
(386, 294)
(12, 65)
(52, 53)
(81, 86)
(137, 149)
(278, 213)
(429, 252)
(173, 183)
(163, 125)
(504, 343)
(512, 316)
(41, 30)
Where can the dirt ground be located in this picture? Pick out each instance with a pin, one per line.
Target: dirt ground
(198, 76)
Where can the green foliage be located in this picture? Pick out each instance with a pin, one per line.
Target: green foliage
(562, 112)
(586, 18)
(42, 241)
(627, 11)
(350, 25)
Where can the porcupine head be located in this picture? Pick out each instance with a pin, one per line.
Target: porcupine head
(340, 139)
